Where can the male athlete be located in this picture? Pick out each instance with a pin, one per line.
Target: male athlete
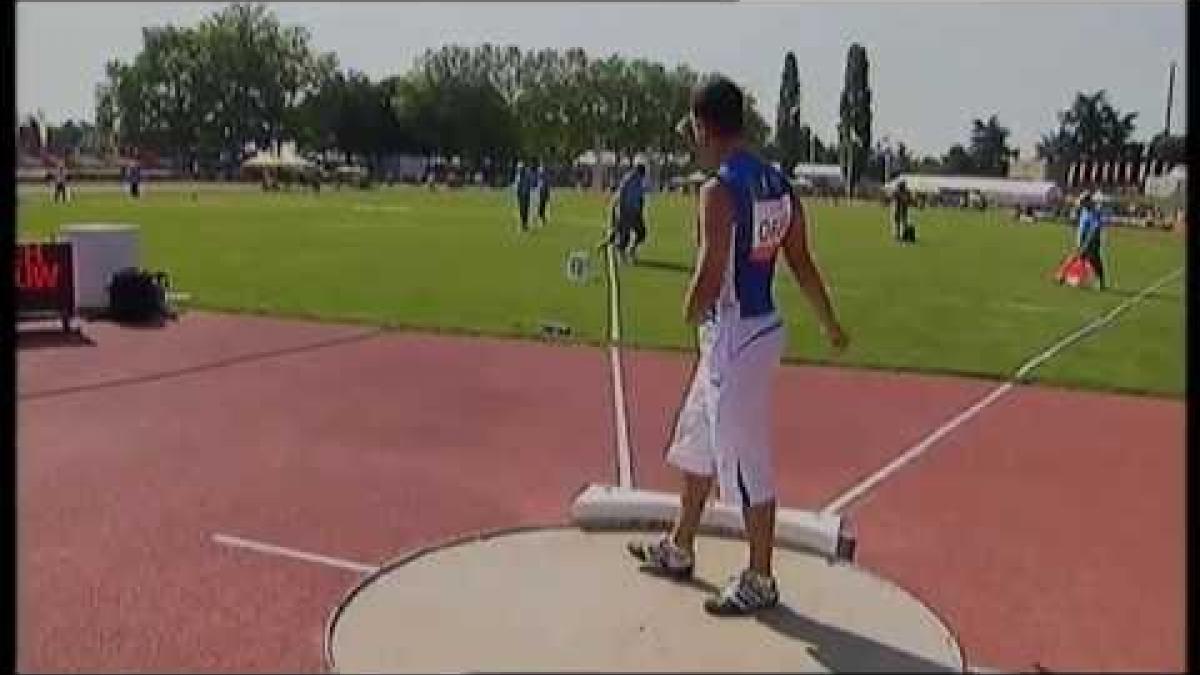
(747, 214)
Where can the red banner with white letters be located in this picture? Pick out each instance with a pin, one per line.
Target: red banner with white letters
(45, 279)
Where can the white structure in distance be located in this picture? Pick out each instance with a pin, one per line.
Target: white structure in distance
(996, 191)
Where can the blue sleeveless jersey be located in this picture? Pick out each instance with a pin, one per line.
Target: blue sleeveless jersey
(762, 203)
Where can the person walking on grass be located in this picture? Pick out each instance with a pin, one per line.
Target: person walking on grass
(1088, 239)
(747, 214)
(627, 206)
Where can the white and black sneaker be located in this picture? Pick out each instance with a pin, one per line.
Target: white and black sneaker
(744, 594)
(663, 557)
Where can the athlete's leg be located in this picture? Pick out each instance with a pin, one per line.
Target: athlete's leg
(622, 233)
(760, 532)
(691, 452)
(744, 461)
(523, 207)
(693, 493)
(1093, 257)
(638, 226)
(743, 436)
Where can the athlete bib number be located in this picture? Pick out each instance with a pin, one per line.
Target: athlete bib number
(771, 220)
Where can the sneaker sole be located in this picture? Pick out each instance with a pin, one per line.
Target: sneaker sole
(676, 573)
(716, 608)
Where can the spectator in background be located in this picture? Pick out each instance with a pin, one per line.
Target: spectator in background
(524, 186)
(901, 200)
(135, 180)
(543, 188)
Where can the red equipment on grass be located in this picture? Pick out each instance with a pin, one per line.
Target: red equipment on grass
(1074, 271)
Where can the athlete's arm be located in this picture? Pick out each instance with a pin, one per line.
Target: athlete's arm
(799, 259)
(716, 228)
(1084, 233)
(615, 198)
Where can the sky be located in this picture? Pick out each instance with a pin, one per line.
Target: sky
(934, 65)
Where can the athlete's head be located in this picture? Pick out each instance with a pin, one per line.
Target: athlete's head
(717, 116)
(640, 169)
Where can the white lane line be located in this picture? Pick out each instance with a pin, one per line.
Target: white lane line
(382, 207)
(908, 455)
(858, 490)
(624, 463)
(271, 549)
(1093, 326)
(1020, 306)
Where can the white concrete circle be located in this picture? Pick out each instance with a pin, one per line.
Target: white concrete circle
(562, 599)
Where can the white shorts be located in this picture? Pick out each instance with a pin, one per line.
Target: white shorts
(724, 426)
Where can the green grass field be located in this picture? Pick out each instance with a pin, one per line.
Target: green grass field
(972, 297)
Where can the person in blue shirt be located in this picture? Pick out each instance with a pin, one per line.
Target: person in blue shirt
(543, 190)
(626, 209)
(748, 215)
(524, 186)
(1088, 240)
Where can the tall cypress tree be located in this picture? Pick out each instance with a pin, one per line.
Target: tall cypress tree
(788, 141)
(854, 129)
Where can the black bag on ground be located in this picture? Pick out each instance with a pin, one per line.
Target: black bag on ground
(138, 296)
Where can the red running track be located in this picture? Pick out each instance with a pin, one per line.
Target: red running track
(355, 444)
(359, 451)
(1047, 531)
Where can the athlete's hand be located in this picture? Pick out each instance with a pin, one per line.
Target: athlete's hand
(838, 340)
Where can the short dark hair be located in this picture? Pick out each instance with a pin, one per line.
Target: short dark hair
(720, 104)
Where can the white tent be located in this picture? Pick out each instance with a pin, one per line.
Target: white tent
(997, 191)
(692, 180)
(1169, 184)
(828, 174)
(286, 158)
(589, 158)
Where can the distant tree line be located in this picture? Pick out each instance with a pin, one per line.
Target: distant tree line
(239, 78)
